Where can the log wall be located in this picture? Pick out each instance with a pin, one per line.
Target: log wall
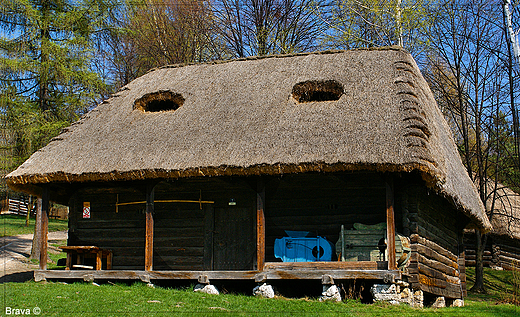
(500, 251)
(321, 203)
(179, 228)
(435, 228)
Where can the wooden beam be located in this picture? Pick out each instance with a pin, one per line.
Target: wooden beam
(260, 225)
(44, 228)
(390, 223)
(216, 275)
(335, 265)
(148, 247)
(209, 230)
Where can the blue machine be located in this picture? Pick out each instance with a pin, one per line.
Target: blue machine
(300, 248)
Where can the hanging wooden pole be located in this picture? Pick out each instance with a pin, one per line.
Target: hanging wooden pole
(148, 247)
(260, 225)
(44, 228)
(390, 223)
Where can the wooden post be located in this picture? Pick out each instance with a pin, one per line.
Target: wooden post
(260, 225)
(148, 247)
(44, 228)
(99, 257)
(390, 223)
(209, 229)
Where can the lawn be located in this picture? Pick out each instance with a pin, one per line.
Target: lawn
(87, 299)
(84, 299)
(108, 299)
(12, 225)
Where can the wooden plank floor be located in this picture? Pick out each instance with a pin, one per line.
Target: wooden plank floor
(278, 274)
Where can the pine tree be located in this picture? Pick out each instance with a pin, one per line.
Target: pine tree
(45, 76)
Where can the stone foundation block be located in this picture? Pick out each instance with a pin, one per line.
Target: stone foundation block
(439, 302)
(457, 303)
(330, 293)
(264, 290)
(206, 288)
(386, 292)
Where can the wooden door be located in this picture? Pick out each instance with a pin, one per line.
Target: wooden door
(233, 239)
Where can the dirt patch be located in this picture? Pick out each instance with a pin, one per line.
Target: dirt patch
(14, 256)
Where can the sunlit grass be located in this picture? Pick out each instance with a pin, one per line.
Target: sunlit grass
(12, 225)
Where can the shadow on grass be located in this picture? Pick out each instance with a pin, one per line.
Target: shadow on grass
(19, 277)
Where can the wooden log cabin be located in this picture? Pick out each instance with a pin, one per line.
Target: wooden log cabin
(195, 171)
(502, 248)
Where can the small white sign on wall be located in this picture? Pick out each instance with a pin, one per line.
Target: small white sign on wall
(86, 210)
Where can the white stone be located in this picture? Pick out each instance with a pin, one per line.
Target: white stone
(385, 292)
(208, 289)
(439, 302)
(458, 303)
(264, 290)
(330, 293)
(407, 296)
(418, 299)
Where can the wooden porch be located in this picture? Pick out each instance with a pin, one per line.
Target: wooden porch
(260, 271)
(272, 271)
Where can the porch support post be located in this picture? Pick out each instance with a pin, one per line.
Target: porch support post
(148, 245)
(390, 222)
(44, 228)
(260, 225)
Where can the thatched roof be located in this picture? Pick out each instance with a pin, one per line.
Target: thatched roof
(252, 117)
(504, 211)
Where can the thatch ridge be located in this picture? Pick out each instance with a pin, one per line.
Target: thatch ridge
(239, 118)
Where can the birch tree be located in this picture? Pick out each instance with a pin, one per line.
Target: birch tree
(466, 70)
(372, 23)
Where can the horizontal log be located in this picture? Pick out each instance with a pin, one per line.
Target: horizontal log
(473, 257)
(415, 238)
(354, 265)
(472, 263)
(216, 275)
(509, 260)
(473, 252)
(433, 255)
(509, 267)
(426, 280)
(99, 224)
(418, 229)
(509, 254)
(450, 291)
(508, 248)
(416, 258)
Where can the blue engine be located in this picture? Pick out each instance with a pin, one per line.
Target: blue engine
(302, 249)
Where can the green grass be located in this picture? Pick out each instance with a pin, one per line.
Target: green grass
(501, 286)
(86, 299)
(83, 299)
(13, 225)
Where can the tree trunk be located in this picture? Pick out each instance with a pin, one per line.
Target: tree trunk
(36, 247)
(35, 250)
(29, 208)
(479, 265)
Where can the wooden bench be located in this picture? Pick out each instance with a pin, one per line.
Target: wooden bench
(80, 252)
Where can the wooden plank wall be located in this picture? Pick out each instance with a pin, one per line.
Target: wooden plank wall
(321, 203)
(122, 232)
(179, 228)
(437, 260)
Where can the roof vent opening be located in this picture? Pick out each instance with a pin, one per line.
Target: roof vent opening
(317, 90)
(159, 101)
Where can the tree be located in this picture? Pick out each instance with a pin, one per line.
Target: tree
(372, 23)
(46, 80)
(45, 76)
(262, 27)
(466, 70)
